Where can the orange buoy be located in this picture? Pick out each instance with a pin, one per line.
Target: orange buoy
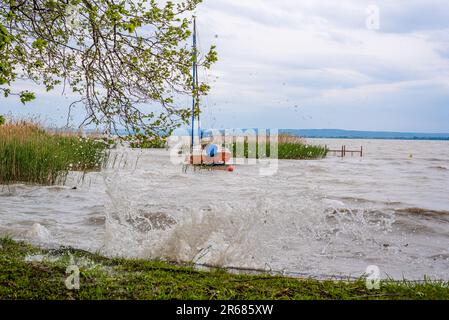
(230, 169)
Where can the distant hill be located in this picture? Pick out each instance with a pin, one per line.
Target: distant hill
(349, 134)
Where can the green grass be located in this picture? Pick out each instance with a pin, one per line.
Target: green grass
(289, 148)
(28, 154)
(104, 278)
(298, 151)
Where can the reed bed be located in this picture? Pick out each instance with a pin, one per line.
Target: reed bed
(30, 154)
(289, 148)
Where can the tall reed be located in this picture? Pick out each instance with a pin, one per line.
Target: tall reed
(289, 147)
(29, 154)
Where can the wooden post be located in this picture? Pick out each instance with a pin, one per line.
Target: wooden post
(361, 151)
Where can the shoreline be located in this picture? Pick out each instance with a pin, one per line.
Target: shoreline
(29, 272)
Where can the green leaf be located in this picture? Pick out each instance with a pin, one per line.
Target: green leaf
(39, 44)
(27, 96)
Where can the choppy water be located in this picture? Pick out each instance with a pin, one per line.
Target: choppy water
(321, 218)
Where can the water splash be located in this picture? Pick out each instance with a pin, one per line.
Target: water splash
(159, 219)
(39, 233)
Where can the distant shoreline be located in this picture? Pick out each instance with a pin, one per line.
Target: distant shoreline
(370, 138)
(336, 134)
(364, 135)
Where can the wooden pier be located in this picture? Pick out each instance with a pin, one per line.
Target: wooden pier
(343, 152)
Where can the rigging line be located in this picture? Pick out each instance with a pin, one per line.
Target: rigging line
(204, 71)
(200, 57)
(206, 98)
(199, 45)
(201, 72)
(198, 102)
(194, 69)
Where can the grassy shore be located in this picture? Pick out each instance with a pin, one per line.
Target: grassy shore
(29, 154)
(28, 272)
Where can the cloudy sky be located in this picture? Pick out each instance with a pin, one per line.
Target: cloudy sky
(317, 64)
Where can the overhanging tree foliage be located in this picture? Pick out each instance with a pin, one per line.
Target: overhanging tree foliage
(116, 54)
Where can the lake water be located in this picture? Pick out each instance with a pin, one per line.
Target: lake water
(331, 217)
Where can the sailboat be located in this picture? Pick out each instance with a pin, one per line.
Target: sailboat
(203, 153)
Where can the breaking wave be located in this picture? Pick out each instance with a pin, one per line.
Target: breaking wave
(236, 230)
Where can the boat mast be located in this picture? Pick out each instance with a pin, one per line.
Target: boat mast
(195, 79)
(198, 103)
